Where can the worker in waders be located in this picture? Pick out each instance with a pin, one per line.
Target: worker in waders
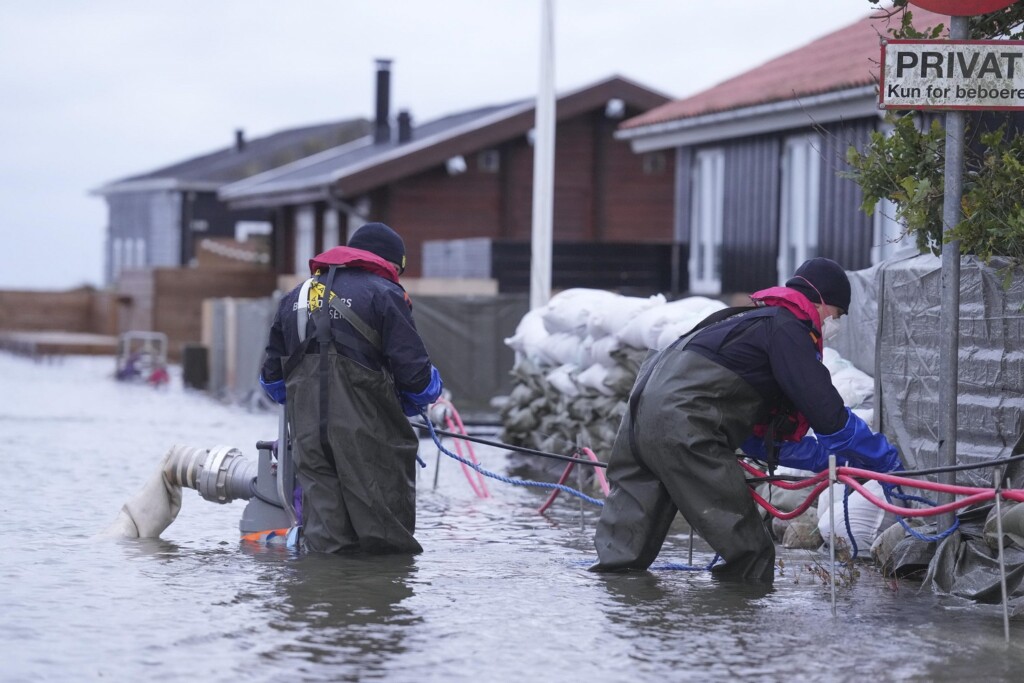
(747, 377)
(346, 360)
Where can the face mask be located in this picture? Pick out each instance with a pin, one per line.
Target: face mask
(829, 328)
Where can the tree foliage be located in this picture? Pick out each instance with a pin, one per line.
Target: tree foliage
(907, 166)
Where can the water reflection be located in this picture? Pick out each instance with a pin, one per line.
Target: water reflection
(343, 611)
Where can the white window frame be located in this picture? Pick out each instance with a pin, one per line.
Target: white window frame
(140, 252)
(708, 200)
(332, 231)
(116, 257)
(798, 212)
(886, 232)
(885, 229)
(305, 238)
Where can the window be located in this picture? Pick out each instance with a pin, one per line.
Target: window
(489, 161)
(305, 248)
(654, 163)
(798, 218)
(706, 222)
(331, 231)
(115, 257)
(886, 232)
(140, 253)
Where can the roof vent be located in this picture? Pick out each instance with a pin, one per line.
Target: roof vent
(404, 126)
(239, 140)
(381, 128)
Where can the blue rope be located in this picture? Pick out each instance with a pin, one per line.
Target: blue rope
(675, 566)
(846, 517)
(507, 480)
(894, 490)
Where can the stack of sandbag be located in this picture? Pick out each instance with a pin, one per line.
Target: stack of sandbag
(576, 361)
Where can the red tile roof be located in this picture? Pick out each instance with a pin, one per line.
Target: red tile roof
(847, 58)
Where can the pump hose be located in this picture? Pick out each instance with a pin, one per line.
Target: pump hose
(508, 480)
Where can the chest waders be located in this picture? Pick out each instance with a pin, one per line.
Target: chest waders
(675, 452)
(354, 449)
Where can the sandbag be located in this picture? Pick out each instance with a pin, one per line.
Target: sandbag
(867, 520)
(570, 310)
(614, 317)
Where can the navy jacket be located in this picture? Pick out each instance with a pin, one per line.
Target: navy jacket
(383, 306)
(773, 351)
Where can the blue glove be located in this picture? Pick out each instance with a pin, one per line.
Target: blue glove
(862, 447)
(275, 390)
(753, 447)
(413, 404)
(805, 454)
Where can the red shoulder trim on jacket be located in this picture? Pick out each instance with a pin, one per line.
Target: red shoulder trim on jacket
(354, 258)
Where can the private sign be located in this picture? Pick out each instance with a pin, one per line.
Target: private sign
(952, 74)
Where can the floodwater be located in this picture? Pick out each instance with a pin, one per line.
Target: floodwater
(500, 593)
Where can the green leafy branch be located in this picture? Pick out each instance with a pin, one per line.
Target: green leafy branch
(907, 166)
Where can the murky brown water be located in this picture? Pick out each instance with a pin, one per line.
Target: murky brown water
(500, 593)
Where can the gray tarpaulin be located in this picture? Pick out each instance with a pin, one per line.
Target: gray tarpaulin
(465, 337)
(859, 328)
(990, 393)
(990, 415)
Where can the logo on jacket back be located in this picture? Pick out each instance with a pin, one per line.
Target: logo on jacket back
(316, 293)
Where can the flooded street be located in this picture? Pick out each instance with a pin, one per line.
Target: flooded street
(500, 593)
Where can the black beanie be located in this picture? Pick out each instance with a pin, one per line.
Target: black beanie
(381, 240)
(827, 277)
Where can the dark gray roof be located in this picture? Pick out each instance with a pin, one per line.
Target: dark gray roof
(361, 165)
(227, 165)
(324, 168)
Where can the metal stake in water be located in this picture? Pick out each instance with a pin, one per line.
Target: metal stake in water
(579, 480)
(1002, 565)
(832, 523)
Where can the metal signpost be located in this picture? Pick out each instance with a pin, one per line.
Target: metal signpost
(954, 75)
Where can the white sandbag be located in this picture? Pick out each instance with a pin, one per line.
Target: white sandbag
(601, 350)
(615, 315)
(674, 331)
(562, 348)
(594, 377)
(834, 362)
(530, 335)
(561, 379)
(570, 310)
(853, 385)
(645, 329)
(867, 520)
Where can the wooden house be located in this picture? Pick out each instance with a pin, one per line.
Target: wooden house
(759, 161)
(467, 179)
(171, 217)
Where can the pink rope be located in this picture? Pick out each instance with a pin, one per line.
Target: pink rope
(849, 475)
(555, 492)
(602, 480)
(453, 422)
(799, 510)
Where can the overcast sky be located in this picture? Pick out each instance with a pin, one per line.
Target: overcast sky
(98, 90)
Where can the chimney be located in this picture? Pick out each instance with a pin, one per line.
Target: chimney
(404, 126)
(239, 140)
(382, 129)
